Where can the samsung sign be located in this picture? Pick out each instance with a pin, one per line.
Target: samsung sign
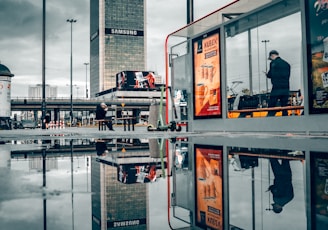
(127, 32)
(126, 223)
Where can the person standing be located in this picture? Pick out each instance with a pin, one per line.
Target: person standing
(47, 120)
(101, 111)
(279, 73)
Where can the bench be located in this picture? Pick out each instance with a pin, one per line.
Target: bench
(101, 124)
(127, 121)
(270, 156)
(295, 110)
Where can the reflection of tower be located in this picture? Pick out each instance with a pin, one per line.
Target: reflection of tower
(114, 204)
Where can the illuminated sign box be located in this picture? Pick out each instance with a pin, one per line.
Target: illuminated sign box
(209, 186)
(136, 80)
(207, 76)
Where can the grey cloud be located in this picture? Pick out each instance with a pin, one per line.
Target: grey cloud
(21, 46)
(21, 19)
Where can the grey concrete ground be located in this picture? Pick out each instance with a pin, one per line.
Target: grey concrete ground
(86, 132)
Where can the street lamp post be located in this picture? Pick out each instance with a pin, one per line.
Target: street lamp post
(71, 76)
(266, 62)
(86, 79)
(77, 91)
(43, 105)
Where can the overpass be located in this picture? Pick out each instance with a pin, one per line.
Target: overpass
(64, 104)
(59, 107)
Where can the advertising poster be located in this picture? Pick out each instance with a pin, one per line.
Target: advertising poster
(209, 187)
(132, 80)
(206, 63)
(317, 31)
(319, 186)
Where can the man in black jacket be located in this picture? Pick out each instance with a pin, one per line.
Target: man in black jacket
(279, 74)
(101, 111)
(282, 188)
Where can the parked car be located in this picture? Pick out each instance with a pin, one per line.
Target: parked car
(27, 124)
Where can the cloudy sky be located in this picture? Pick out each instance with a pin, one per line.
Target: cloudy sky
(21, 39)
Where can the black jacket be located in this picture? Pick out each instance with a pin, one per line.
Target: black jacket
(100, 113)
(282, 188)
(282, 191)
(101, 147)
(279, 73)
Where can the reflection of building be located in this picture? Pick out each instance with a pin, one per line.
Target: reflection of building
(36, 163)
(36, 91)
(5, 160)
(117, 36)
(115, 204)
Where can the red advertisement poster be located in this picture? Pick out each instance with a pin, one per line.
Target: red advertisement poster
(209, 191)
(207, 80)
(317, 36)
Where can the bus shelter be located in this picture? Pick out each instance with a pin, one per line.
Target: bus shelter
(217, 65)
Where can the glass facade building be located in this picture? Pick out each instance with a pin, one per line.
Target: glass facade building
(117, 40)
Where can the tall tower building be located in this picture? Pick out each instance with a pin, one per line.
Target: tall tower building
(117, 40)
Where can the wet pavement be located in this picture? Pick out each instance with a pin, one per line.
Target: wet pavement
(82, 178)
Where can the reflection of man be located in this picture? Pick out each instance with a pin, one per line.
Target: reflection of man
(101, 148)
(279, 74)
(282, 188)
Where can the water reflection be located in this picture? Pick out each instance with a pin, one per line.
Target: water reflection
(265, 178)
(45, 190)
(226, 182)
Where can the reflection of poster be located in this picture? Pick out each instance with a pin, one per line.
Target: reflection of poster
(207, 93)
(137, 173)
(319, 186)
(181, 158)
(209, 198)
(317, 30)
